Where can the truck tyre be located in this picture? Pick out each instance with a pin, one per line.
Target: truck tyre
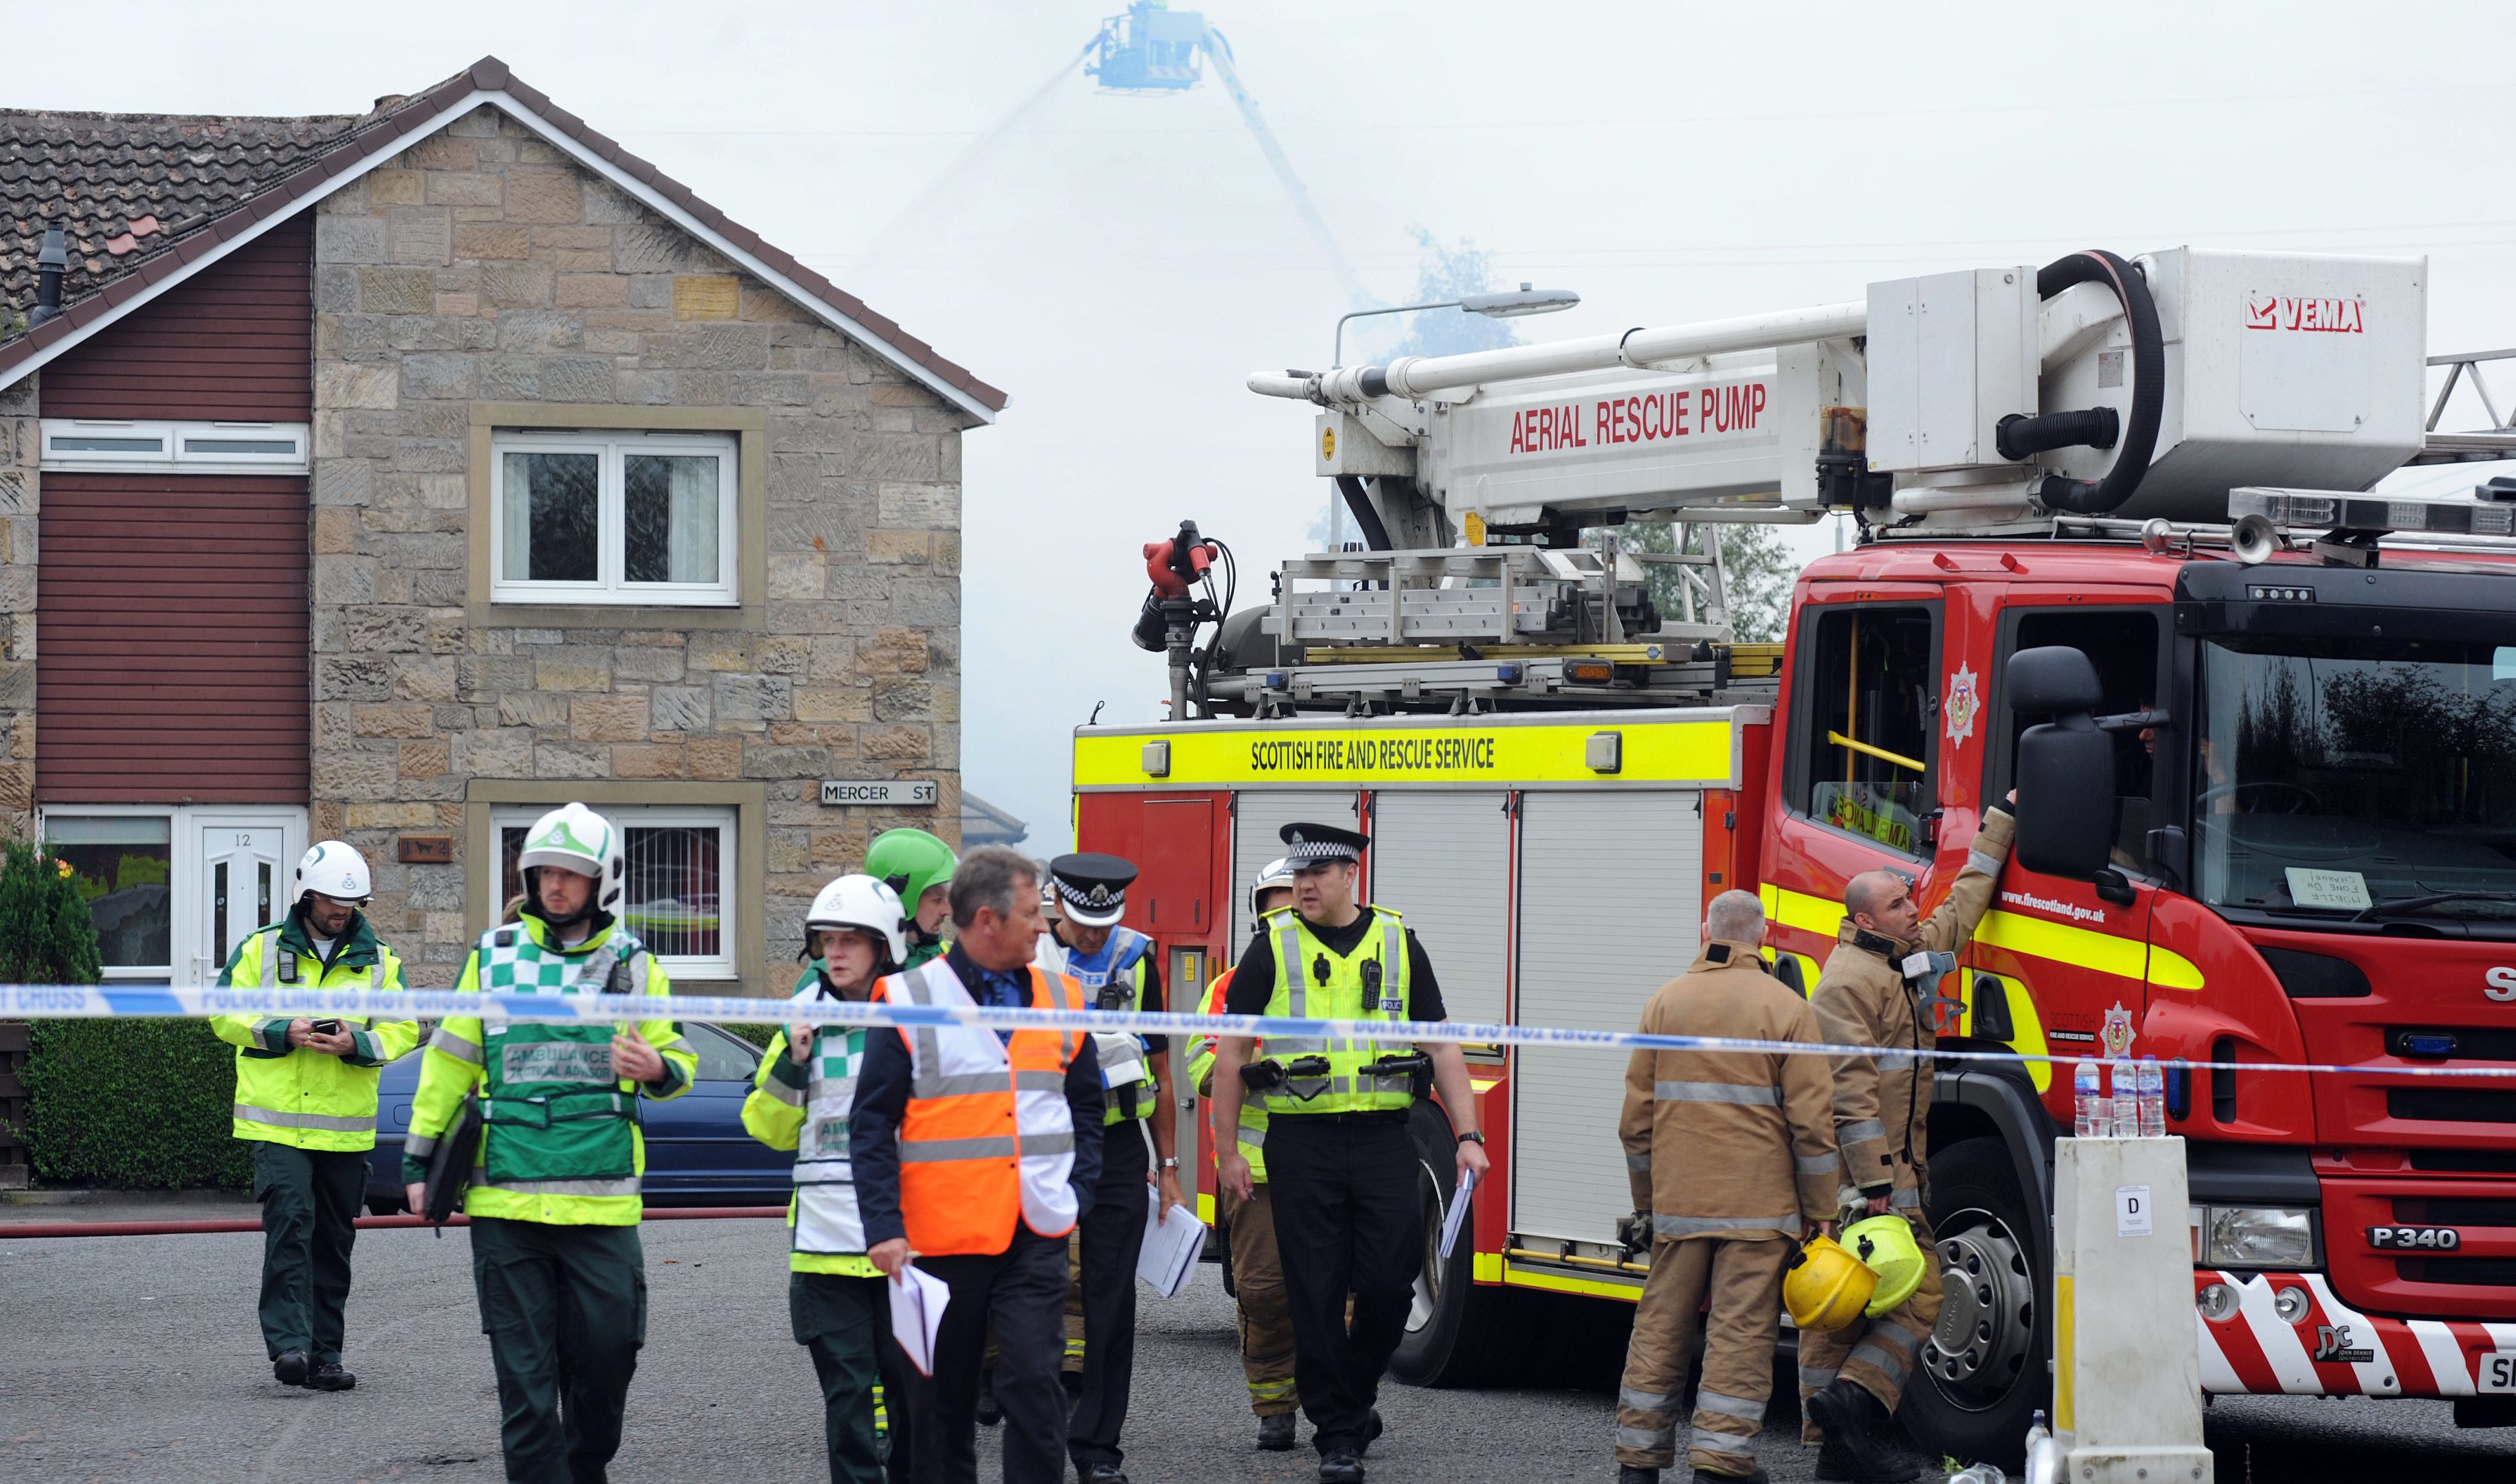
(1457, 1332)
(1982, 1374)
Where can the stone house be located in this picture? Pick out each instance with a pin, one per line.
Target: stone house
(395, 477)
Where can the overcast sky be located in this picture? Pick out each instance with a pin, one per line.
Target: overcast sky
(1119, 264)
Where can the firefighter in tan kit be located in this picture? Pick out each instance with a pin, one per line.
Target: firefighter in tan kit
(1732, 1158)
(1877, 990)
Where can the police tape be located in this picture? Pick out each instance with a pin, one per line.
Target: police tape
(90, 1002)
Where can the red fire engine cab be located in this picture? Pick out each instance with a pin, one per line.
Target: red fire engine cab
(2266, 798)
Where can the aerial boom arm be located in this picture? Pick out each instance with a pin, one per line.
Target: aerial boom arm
(1219, 52)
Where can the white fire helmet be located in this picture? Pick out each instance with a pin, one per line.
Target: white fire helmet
(866, 904)
(574, 837)
(1275, 875)
(335, 870)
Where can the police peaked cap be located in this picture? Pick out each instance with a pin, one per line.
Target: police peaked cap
(1091, 887)
(1313, 843)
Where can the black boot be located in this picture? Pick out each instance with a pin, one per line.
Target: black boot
(289, 1368)
(1275, 1433)
(990, 1413)
(1341, 1465)
(1708, 1476)
(1853, 1453)
(330, 1376)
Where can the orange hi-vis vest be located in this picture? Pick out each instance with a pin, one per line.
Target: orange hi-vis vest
(987, 1131)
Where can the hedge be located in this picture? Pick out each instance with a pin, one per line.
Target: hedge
(136, 1104)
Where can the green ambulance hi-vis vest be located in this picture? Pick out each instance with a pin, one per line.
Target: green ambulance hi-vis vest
(1303, 995)
(558, 1122)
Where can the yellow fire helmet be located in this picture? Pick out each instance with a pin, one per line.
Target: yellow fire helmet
(1886, 1243)
(1826, 1287)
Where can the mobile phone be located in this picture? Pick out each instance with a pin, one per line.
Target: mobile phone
(328, 1027)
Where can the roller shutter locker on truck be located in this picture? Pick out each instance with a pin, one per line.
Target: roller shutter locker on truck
(1610, 908)
(1259, 815)
(1442, 859)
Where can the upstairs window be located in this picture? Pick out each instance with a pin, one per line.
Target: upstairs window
(71, 444)
(1870, 698)
(613, 517)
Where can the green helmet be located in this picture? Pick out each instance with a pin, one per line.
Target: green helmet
(908, 862)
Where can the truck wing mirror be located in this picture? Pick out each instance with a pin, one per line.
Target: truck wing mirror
(2066, 790)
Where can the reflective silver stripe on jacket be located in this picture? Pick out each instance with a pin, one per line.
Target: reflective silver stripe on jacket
(1904, 1199)
(1647, 1439)
(1696, 1226)
(1716, 1092)
(1818, 1164)
(932, 1151)
(1639, 1163)
(628, 1186)
(1644, 1401)
(1860, 1129)
(278, 1119)
(454, 1045)
(1989, 865)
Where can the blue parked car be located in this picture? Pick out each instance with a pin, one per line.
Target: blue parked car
(698, 1153)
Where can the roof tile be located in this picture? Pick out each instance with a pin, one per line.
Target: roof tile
(209, 177)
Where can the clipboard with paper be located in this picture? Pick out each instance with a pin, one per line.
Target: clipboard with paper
(917, 1302)
(1457, 1215)
(1174, 1241)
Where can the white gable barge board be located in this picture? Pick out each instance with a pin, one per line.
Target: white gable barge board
(645, 194)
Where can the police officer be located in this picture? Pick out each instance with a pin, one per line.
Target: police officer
(1249, 1227)
(1731, 1156)
(800, 1101)
(919, 867)
(305, 1098)
(1876, 990)
(1340, 1158)
(1115, 968)
(554, 1196)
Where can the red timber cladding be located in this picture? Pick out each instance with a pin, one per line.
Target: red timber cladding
(171, 614)
(234, 343)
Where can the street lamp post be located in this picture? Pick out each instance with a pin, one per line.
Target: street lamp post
(1509, 304)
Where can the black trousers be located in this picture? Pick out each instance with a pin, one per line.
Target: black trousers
(1113, 1238)
(1021, 1292)
(565, 1309)
(310, 1202)
(1348, 1219)
(845, 1322)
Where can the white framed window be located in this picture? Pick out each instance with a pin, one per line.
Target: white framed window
(679, 895)
(597, 517)
(249, 448)
(174, 889)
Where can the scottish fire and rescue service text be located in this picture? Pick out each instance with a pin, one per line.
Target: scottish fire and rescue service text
(1336, 755)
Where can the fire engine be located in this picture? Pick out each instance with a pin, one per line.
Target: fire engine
(2265, 752)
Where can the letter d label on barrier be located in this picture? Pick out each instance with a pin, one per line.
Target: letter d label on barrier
(2131, 1211)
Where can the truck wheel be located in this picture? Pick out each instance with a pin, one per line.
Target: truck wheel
(1457, 1332)
(1981, 1372)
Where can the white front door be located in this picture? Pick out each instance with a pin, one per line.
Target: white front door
(245, 869)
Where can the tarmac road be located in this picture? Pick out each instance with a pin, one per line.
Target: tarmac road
(137, 1358)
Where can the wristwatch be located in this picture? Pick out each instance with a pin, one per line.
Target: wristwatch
(1171, 1164)
(1471, 1135)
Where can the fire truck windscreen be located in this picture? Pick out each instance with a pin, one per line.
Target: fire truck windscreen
(2338, 776)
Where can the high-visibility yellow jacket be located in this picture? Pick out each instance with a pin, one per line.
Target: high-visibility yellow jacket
(1201, 1073)
(310, 1100)
(1368, 984)
(786, 1095)
(502, 1060)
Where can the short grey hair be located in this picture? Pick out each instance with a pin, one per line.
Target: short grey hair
(1735, 917)
(1866, 893)
(991, 877)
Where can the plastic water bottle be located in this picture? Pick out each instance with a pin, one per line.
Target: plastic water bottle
(2152, 1099)
(2126, 1090)
(2096, 1120)
(2044, 1462)
(1979, 1473)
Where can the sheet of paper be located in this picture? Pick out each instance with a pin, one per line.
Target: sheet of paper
(917, 1300)
(1174, 1241)
(2339, 890)
(1458, 1214)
